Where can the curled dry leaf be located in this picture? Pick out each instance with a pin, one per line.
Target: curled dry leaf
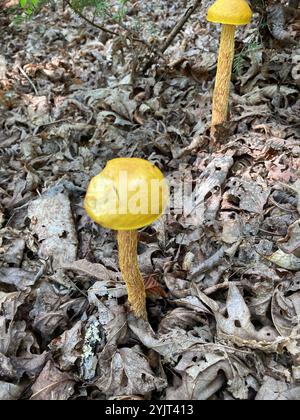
(169, 345)
(179, 318)
(153, 288)
(12, 247)
(49, 313)
(277, 24)
(7, 370)
(202, 376)
(108, 288)
(109, 282)
(203, 373)
(15, 340)
(29, 363)
(291, 243)
(9, 303)
(265, 94)
(259, 303)
(285, 308)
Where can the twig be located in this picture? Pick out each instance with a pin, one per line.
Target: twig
(49, 386)
(101, 28)
(282, 208)
(270, 233)
(29, 80)
(209, 263)
(177, 28)
(132, 34)
(117, 22)
(216, 287)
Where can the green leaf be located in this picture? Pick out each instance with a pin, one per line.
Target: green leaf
(30, 6)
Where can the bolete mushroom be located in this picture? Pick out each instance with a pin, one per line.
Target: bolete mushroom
(230, 13)
(128, 194)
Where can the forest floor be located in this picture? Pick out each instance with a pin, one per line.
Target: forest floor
(223, 282)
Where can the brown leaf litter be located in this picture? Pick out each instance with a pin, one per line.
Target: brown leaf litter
(223, 281)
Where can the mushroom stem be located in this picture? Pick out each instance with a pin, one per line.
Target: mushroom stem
(127, 244)
(222, 83)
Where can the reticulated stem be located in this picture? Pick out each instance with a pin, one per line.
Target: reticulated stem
(127, 243)
(222, 84)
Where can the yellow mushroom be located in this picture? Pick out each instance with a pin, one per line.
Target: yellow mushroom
(230, 13)
(128, 194)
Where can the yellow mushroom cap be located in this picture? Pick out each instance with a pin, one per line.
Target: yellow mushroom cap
(128, 194)
(230, 12)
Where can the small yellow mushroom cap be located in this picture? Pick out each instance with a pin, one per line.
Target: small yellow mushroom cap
(230, 12)
(128, 194)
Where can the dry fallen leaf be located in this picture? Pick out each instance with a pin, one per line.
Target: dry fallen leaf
(277, 391)
(284, 260)
(52, 221)
(221, 268)
(52, 384)
(128, 372)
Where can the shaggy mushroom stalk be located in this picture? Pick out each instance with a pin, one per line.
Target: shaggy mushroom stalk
(127, 245)
(229, 13)
(128, 194)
